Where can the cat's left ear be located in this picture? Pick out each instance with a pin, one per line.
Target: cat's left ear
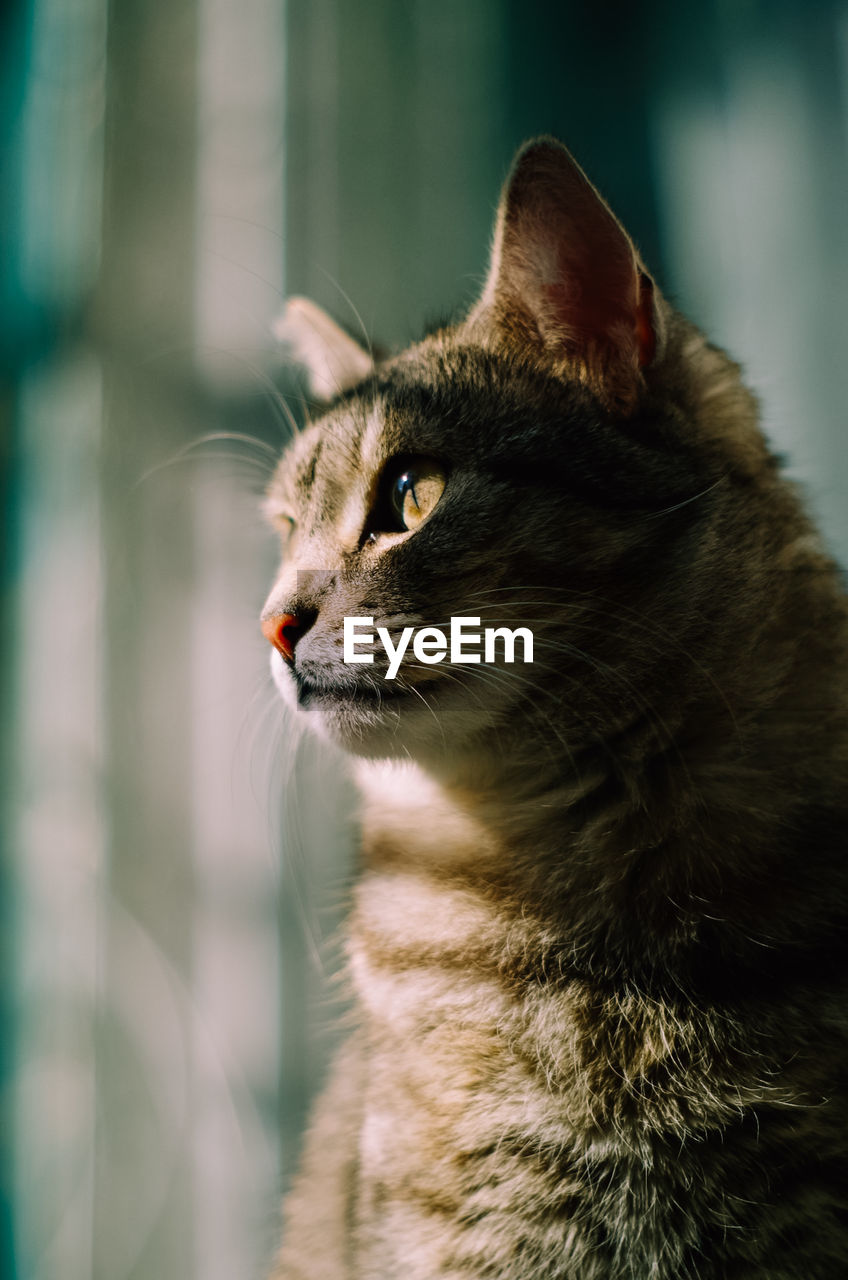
(565, 278)
(333, 362)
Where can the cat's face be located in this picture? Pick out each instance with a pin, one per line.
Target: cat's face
(519, 469)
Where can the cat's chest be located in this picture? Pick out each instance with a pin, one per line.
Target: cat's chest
(453, 1036)
(475, 1029)
(502, 1111)
(422, 953)
(475, 1111)
(454, 1092)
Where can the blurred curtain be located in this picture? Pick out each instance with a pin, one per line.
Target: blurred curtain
(175, 855)
(144, 1096)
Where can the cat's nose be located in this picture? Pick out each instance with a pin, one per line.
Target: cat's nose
(283, 630)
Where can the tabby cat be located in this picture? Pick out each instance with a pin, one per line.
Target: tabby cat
(597, 944)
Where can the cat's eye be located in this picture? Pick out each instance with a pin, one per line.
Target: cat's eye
(409, 491)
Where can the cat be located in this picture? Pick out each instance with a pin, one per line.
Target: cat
(597, 944)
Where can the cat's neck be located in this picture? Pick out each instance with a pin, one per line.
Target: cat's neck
(629, 851)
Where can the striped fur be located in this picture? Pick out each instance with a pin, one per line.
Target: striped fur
(597, 947)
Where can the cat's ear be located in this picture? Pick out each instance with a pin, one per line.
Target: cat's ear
(332, 360)
(565, 277)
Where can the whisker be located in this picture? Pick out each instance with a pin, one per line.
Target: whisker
(187, 452)
(366, 336)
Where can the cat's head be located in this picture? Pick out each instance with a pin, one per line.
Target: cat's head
(558, 461)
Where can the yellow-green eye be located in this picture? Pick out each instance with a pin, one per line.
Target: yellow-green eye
(411, 488)
(416, 491)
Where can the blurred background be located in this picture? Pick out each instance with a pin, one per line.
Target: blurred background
(174, 856)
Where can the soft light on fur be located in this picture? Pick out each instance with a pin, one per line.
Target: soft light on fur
(598, 942)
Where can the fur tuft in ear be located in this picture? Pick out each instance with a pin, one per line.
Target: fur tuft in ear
(332, 360)
(565, 278)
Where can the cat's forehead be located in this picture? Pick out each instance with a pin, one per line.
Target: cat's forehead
(334, 457)
(434, 396)
(419, 391)
(483, 411)
(351, 437)
(296, 469)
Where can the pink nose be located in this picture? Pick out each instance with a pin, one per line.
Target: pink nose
(283, 630)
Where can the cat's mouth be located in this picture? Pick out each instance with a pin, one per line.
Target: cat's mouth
(310, 691)
(414, 715)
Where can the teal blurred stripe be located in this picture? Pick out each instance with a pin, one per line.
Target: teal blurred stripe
(22, 333)
(22, 325)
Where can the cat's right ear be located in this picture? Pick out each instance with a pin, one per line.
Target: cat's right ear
(565, 280)
(332, 360)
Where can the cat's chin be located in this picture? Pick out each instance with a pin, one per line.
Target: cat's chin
(399, 724)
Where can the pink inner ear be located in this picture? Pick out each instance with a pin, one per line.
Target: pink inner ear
(567, 264)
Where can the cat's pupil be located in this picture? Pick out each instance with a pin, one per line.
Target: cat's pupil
(404, 485)
(410, 490)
